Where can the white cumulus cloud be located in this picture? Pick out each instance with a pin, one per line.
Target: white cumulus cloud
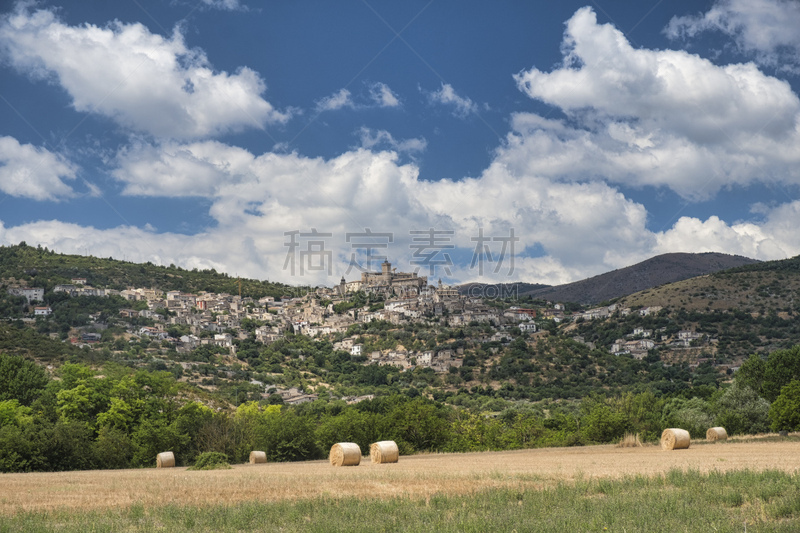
(377, 95)
(27, 171)
(383, 96)
(462, 105)
(266, 195)
(229, 5)
(773, 238)
(372, 139)
(337, 100)
(655, 117)
(767, 29)
(581, 228)
(145, 81)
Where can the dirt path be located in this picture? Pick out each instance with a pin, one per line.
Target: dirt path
(416, 476)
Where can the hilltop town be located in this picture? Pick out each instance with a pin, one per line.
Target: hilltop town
(216, 319)
(180, 322)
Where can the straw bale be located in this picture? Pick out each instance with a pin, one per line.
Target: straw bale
(675, 439)
(258, 457)
(385, 451)
(345, 454)
(717, 433)
(165, 460)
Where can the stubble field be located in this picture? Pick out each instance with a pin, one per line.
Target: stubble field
(308, 496)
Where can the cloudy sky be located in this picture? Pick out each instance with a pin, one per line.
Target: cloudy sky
(303, 141)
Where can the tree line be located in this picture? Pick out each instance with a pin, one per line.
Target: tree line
(81, 419)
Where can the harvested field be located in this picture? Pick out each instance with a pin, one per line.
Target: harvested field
(416, 476)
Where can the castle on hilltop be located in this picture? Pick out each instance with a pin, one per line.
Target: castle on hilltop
(388, 281)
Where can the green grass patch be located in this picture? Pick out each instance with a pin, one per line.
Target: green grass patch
(678, 501)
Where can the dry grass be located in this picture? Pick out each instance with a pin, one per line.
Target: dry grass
(418, 476)
(630, 440)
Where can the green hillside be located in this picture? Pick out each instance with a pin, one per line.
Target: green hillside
(40, 267)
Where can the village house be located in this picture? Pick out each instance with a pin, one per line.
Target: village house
(425, 359)
(521, 313)
(685, 338)
(396, 359)
(223, 340)
(129, 294)
(69, 289)
(152, 333)
(268, 334)
(443, 360)
(29, 293)
(42, 311)
(646, 311)
(147, 313)
(91, 337)
(291, 395)
(151, 294)
(556, 315)
(596, 313)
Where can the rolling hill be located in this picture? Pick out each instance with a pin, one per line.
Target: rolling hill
(659, 270)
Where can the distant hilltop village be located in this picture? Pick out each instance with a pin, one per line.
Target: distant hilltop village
(185, 321)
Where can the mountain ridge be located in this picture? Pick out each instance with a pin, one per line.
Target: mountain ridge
(658, 270)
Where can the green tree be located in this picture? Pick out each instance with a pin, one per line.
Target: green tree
(602, 423)
(21, 379)
(12, 413)
(113, 448)
(417, 425)
(785, 411)
(695, 416)
(350, 425)
(155, 436)
(286, 436)
(782, 367)
(191, 418)
(751, 373)
(742, 411)
(120, 415)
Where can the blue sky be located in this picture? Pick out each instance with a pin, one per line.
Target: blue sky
(533, 141)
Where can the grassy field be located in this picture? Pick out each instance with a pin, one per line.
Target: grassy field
(732, 486)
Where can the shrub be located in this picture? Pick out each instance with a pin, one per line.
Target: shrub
(211, 461)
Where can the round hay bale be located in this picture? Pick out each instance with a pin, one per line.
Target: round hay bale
(258, 457)
(345, 454)
(385, 451)
(716, 434)
(165, 460)
(675, 439)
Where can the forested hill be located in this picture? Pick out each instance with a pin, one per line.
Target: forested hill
(40, 267)
(782, 265)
